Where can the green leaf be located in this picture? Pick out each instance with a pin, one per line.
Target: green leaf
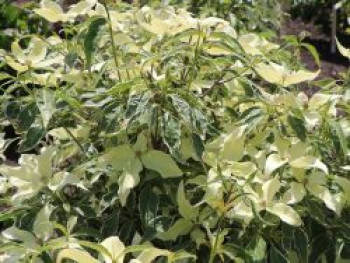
(32, 137)
(149, 203)
(342, 139)
(150, 254)
(313, 52)
(319, 246)
(12, 110)
(181, 227)
(118, 157)
(90, 39)
(301, 245)
(161, 163)
(277, 256)
(185, 208)
(171, 132)
(298, 126)
(129, 179)
(27, 116)
(13, 233)
(46, 104)
(257, 249)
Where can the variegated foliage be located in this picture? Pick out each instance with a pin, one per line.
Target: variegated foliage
(187, 140)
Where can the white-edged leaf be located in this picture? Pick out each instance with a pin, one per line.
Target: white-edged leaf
(273, 162)
(295, 194)
(233, 145)
(43, 227)
(18, 52)
(285, 213)
(37, 52)
(270, 189)
(15, 234)
(15, 65)
(326, 196)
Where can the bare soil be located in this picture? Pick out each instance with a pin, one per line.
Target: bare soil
(331, 64)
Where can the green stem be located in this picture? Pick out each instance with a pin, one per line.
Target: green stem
(74, 139)
(112, 39)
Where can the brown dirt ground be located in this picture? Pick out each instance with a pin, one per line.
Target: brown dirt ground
(331, 64)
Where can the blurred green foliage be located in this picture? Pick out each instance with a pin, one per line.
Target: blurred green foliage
(319, 12)
(244, 15)
(17, 20)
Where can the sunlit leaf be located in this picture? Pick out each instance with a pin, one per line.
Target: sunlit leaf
(116, 249)
(42, 226)
(280, 75)
(285, 213)
(79, 256)
(185, 208)
(161, 163)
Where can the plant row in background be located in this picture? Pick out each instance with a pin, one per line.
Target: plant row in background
(150, 135)
(319, 12)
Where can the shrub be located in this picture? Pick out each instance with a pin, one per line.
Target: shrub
(149, 134)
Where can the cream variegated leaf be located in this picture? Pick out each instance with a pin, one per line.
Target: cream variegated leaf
(233, 145)
(295, 194)
(345, 185)
(161, 163)
(116, 248)
(277, 74)
(43, 227)
(270, 189)
(118, 157)
(150, 254)
(243, 169)
(25, 237)
(326, 196)
(129, 179)
(186, 210)
(273, 162)
(37, 52)
(77, 255)
(344, 51)
(15, 65)
(53, 12)
(307, 162)
(285, 213)
(141, 144)
(18, 52)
